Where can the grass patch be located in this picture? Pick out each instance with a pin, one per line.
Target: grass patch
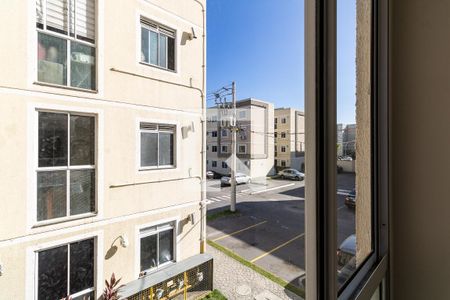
(215, 295)
(268, 275)
(221, 214)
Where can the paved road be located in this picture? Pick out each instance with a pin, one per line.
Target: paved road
(269, 230)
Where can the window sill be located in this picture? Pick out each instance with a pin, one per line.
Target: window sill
(71, 88)
(159, 268)
(40, 224)
(158, 67)
(171, 167)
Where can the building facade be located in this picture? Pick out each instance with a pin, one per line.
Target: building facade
(349, 140)
(254, 142)
(101, 113)
(289, 137)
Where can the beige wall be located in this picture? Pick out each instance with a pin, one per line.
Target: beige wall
(127, 197)
(362, 164)
(420, 147)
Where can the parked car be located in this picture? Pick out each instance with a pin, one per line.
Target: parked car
(209, 174)
(350, 200)
(291, 174)
(346, 260)
(240, 179)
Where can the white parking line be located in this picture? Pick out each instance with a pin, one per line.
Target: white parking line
(274, 188)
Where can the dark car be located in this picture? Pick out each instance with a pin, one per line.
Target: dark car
(350, 200)
(346, 259)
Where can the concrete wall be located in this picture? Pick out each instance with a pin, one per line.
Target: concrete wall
(127, 197)
(420, 110)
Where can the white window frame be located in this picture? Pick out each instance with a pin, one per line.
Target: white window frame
(32, 252)
(176, 242)
(69, 39)
(214, 133)
(224, 147)
(176, 149)
(33, 164)
(159, 30)
(283, 149)
(226, 165)
(214, 164)
(212, 148)
(239, 148)
(283, 163)
(283, 135)
(283, 120)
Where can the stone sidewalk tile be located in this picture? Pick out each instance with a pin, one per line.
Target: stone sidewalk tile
(236, 281)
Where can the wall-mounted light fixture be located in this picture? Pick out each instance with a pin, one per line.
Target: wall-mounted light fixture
(124, 241)
(192, 35)
(191, 218)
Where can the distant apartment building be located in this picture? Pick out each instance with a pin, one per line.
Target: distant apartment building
(339, 139)
(101, 114)
(289, 137)
(349, 140)
(254, 142)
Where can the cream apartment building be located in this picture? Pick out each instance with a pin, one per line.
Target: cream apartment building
(289, 137)
(101, 109)
(253, 140)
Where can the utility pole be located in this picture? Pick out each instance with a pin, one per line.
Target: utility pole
(233, 129)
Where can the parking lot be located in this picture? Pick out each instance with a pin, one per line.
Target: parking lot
(269, 227)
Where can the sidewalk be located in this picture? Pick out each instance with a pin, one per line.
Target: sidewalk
(236, 281)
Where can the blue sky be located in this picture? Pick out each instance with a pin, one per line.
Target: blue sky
(260, 45)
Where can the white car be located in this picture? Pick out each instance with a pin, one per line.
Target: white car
(240, 179)
(291, 174)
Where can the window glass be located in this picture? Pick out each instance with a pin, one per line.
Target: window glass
(54, 146)
(82, 68)
(82, 191)
(149, 252)
(165, 149)
(149, 149)
(82, 140)
(52, 139)
(153, 48)
(145, 45)
(81, 266)
(52, 273)
(163, 51)
(52, 59)
(165, 246)
(51, 195)
(73, 21)
(171, 53)
(353, 136)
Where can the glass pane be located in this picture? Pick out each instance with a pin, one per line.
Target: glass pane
(163, 51)
(52, 273)
(171, 53)
(82, 140)
(82, 191)
(165, 246)
(52, 139)
(52, 59)
(165, 149)
(56, 13)
(148, 252)
(81, 266)
(353, 135)
(149, 149)
(153, 48)
(51, 195)
(82, 66)
(144, 45)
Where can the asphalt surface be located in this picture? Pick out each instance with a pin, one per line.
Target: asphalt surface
(269, 228)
